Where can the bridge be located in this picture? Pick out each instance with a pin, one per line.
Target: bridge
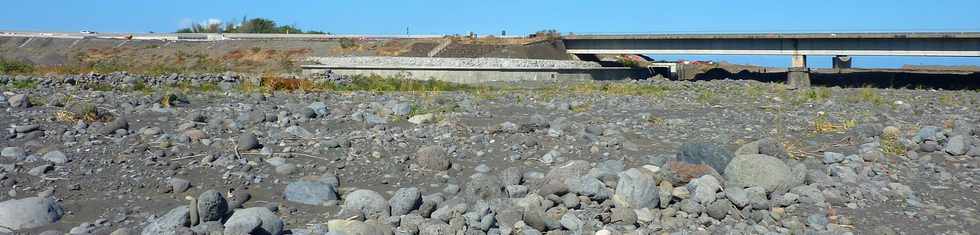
(798, 45)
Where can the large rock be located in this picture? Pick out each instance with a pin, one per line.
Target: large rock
(432, 158)
(704, 153)
(211, 206)
(368, 202)
(760, 170)
(247, 142)
(168, 223)
(19, 101)
(28, 213)
(704, 189)
(587, 185)
(310, 192)
(554, 181)
(405, 200)
(354, 227)
(255, 220)
(957, 145)
(482, 186)
(637, 189)
(929, 133)
(319, 108)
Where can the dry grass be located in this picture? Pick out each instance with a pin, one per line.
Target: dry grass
(822, 124)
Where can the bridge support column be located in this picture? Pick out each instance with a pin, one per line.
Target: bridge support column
(798, 75)
(842, 62)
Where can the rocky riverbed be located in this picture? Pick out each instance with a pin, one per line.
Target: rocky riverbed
(200, 154)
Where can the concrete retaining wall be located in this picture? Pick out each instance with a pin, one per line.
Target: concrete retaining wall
(481, 75)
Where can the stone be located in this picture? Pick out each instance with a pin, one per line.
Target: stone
(432, 158)
(691, 207)
(401, 108)
(570, 222)
(27, 213)
(705, 153)
(168, 223)
(585, 185)
(211, 206)
(516, 191)
(738, 196)
(757, 198)
(482, 186)
(765, 146)
(554, 180)
(368, 202)
(665, 190)
(179, 185)
(195, 135)
(299, 132)
(421, 118)
(117, 124)
(760, 170)
(255, 220)
(957, 146)
(211, 227)
(355, 227)
(319, 108)
(247, 142)
(310, 192)
(704, 189)
(511, 176)
(832, 157)
(623, 215)
(19, 101)
(404, 201)
(680, 172)
(56, 157)
(16, 153)
(637, 189)
(719, 209)
(929, 133)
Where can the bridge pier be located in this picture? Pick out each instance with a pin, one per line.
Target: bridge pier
(842, 62)
(798, 75)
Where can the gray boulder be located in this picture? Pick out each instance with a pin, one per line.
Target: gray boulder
(586, 186)
(704, 153)
(16, 153)
(637, 189)
(19, 101)
(405, 200)
(482, 186)
(310, 192)
(168, 223)
(255, 220)
(319, 108)
(56, 157)
(368, 202)
(211, 206)
(929, 133)
(28, 213)
(247, 142)
(957, 145)
(704, 189)
(760, 170)
(432, 158)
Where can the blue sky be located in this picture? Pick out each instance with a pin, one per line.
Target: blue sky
(521, 17)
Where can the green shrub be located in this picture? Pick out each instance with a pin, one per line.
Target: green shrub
(15, 67)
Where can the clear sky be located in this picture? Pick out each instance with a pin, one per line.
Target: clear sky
(519, 17)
